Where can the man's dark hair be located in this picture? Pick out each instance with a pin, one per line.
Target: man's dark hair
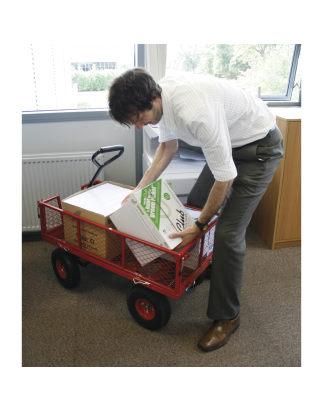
(130, 93)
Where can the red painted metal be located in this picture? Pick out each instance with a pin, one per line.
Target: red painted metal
(95, 183)
(123, 252)
(201, 254)
(78, 232)
(61, 269)
(177, 255)
(178, 282)
(145, 309)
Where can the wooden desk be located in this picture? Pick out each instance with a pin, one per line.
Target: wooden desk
(277, 219)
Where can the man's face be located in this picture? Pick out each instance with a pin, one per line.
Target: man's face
(152, 116)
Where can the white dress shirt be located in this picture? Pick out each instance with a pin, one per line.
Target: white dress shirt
(213, 114)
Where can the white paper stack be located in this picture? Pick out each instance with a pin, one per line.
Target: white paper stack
(104, 200)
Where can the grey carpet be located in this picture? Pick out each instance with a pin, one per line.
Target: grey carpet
(90, 326)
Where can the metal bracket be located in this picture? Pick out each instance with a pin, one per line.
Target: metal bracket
(85, 264)
(66, 249)
(140, 282)
(187, 288)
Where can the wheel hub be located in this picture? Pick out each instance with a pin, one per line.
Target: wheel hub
(145, 309)
(61, 269)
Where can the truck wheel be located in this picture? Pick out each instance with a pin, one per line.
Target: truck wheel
(66, 268)
(208, 272)
(150, 309)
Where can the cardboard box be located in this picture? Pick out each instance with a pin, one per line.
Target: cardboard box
(151, 214)
(96, 204)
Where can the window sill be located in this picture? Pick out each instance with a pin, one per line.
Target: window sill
(64, 115)
(283, 103)
(99, 114)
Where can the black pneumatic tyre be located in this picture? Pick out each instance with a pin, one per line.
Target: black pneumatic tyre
(150, 309)
(199, 280)
(66, 268)
(208, 272)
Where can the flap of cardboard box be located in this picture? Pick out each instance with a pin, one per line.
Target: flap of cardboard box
(98, 202)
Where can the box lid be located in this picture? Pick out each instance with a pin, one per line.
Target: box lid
(98, 202)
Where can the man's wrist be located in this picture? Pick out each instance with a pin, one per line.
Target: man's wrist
(201, 226)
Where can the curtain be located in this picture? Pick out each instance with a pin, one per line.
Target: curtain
(156, 60)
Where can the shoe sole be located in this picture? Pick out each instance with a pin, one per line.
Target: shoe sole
(216, 348)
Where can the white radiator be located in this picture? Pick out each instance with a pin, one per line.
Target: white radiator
(46, 176)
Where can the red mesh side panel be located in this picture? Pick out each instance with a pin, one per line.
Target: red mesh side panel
(208, 243)
(51, 221)
(151, 264)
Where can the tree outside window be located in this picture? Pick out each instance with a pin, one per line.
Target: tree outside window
(263, 68)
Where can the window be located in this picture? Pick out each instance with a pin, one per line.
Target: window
(98, 66)
(65, 77)
(270, 71)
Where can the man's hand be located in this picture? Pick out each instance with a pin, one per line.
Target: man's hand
(163, 157)
(188, 235)
(128, 196)
(215, 200)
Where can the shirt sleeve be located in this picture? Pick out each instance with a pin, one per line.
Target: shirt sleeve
(165, 134)
(209, 126)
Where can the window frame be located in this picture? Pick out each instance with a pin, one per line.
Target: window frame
(52, 116)
(284, 100)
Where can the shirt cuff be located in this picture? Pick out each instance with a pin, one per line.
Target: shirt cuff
(226, 172)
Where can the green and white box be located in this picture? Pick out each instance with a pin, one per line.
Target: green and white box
(151, 214)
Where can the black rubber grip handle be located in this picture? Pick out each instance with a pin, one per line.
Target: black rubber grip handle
(107, 149)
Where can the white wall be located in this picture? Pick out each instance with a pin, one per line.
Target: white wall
(84, 136)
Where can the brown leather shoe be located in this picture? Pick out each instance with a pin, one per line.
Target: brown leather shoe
(217, 336)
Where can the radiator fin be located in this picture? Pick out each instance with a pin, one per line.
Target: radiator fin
(47, 176)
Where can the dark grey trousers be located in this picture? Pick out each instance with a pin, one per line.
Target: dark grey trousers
(249, 186)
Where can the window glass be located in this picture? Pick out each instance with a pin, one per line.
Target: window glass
(60, 77)
(263, 68)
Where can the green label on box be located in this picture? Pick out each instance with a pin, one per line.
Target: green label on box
(150, 200)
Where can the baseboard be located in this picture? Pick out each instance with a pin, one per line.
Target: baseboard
(31, 236)
(282, 244)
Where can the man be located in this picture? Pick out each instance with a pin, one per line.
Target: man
(243, 148)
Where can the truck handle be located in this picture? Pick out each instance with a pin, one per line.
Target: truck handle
(100, 167)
